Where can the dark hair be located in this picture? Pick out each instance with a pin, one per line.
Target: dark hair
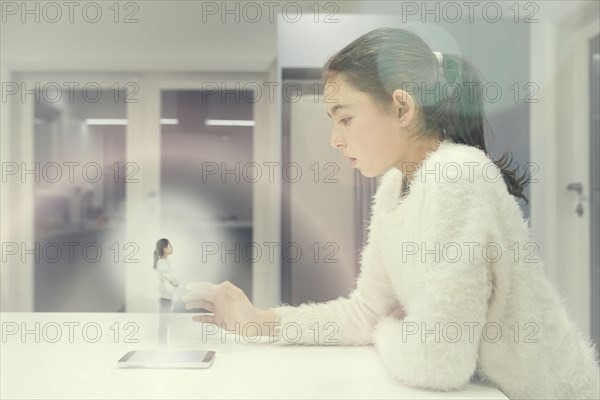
(387, 59)
(160, 250)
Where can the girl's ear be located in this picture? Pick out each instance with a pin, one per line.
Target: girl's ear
(403, 103)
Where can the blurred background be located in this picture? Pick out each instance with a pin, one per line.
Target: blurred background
(204, 123)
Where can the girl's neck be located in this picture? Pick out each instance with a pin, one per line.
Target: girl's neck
(418, 156)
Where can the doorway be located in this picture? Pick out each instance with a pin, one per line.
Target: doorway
(206, 184)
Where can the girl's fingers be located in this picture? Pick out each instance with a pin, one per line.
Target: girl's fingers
(208, 319)
(191, 296)
(200, 304)
(200, 291)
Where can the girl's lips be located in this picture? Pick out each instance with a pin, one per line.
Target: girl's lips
(351, 159)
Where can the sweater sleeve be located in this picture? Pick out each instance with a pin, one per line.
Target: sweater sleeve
(346, 320)
(436, 345)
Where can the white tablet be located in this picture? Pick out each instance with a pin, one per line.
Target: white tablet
(167, 359)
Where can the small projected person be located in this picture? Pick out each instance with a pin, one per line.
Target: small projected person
(168, 280)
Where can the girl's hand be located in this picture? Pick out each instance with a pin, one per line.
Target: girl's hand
(398, 313)
(231, 307)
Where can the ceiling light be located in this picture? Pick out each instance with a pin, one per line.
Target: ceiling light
(229, 122)
(105, 121)
(116, 121)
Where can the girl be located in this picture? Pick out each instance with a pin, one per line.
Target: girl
(168, 281)
(442, 294)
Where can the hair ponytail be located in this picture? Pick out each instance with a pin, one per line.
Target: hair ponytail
(463, 116)
(449, 97)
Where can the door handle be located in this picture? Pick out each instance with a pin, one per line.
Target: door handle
(577, 187)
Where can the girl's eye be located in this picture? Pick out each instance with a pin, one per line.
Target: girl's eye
(345, 121)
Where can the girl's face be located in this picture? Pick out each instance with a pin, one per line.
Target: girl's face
(371, 140)
(168, 250)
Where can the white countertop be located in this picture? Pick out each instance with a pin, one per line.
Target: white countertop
(68, 363)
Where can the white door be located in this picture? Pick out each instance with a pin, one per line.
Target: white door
(573, 177)
(560, 132)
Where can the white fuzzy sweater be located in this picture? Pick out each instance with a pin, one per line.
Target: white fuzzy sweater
(457, 254)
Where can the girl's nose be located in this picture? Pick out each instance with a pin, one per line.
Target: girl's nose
(336, 140)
